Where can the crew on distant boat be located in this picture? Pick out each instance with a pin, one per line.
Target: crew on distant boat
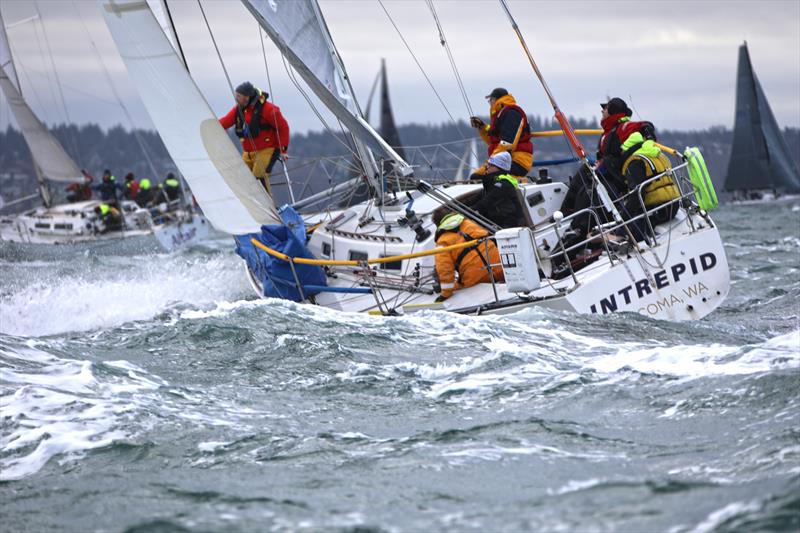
(108, 187)
(499, 202)
(80, 192)
(262, 129)
(642, 160)
(109, 216)
(508, 131)
(171, 188)
(131, 186)
(144, 196)
(469, 264)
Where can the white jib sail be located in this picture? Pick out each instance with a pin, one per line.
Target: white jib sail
(231, 198)
(297, 29)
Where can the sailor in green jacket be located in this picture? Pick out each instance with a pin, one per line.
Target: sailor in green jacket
(642, 160)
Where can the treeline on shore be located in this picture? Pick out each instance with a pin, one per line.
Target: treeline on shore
(318, 159)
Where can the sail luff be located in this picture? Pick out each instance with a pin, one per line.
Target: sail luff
(231, 198)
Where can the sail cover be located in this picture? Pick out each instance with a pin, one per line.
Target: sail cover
(232, 200)
(297, 29)
(760, 158)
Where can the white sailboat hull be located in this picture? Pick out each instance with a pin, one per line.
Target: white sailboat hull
(684, 277)
(76, 223)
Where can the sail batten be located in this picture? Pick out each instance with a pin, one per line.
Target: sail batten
(760, 158)
(231, 198)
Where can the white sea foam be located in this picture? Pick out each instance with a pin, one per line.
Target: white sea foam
(111, 296)
(695, 361)
(63, 409)
(720, 516)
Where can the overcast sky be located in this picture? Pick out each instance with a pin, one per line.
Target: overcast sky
(673, 61)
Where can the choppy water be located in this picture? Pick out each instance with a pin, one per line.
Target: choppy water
(152, 393)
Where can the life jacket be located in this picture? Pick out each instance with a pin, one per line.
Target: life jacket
(509, 178)
(171, 182)
(655, 162)
(524, 143)
(622, 127)
(255, 125)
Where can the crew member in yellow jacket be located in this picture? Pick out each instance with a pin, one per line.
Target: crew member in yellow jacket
(470, 265)
(643, 160)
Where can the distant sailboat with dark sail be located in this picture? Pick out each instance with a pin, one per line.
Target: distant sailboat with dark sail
(386, 128)
(760, 167)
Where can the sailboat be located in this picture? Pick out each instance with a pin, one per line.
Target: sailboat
(761, 167)
(378, 256)
(167, 226)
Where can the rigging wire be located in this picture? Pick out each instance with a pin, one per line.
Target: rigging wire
(275, 115)
(134, 130)
(73, 138)
(425, 74)
(214, 41)
(328, 128)
(446, 45)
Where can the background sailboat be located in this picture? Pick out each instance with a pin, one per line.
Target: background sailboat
(76, 222)
(760, 162)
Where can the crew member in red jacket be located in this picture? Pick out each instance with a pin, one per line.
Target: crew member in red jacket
(260, 126)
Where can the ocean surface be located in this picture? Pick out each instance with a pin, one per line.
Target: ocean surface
(145, 393)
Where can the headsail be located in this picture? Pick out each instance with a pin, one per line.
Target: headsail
(760, 158)
(231, 198)
(300, 33)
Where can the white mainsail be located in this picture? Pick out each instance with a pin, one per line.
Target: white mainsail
(232, 200)
(48, 154)
(159, 9)
(299, 31)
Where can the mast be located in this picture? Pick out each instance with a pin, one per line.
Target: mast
(566, 127)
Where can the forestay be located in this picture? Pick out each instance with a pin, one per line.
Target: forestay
(232, 200)
(297, 29)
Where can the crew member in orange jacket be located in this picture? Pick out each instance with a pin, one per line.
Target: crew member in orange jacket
(260, 126)
(469, 263)
(508, 131)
